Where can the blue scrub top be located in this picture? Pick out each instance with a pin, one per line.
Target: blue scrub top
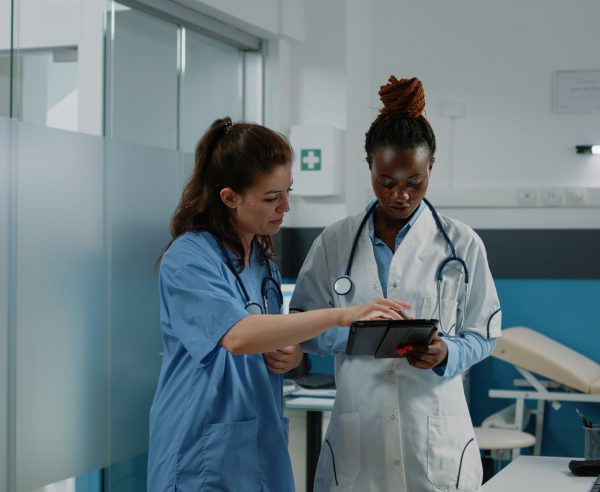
(216, 422)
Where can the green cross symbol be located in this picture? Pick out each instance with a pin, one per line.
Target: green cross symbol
(310, 159)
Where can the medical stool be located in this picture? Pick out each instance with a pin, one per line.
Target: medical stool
(497, 445)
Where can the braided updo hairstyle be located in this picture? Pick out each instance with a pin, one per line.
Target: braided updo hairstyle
(400, 123)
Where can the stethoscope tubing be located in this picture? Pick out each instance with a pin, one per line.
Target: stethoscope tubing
(343, 285)
(357, 237)
(251, 306)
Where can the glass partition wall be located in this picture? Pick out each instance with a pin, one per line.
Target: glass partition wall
(101, 106)
(190, 78)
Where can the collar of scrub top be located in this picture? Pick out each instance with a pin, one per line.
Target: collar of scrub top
(343, 285)
(251, 306)
(401, 233)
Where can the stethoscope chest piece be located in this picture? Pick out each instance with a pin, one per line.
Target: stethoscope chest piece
(254, 308)
(342, 285)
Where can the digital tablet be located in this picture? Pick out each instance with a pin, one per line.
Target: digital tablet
(381, 338)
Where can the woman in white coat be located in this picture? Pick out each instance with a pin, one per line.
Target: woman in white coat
(402, 424)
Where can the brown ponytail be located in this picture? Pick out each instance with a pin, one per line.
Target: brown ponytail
(229, 155)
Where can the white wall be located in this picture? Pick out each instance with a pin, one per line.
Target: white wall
(263, 18)
(259, 17)
(318, 95)
(498, 60)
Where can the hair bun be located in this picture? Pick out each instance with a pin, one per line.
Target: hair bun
(404, 97)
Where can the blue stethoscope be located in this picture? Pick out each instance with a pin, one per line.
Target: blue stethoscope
(344, 284)
(268, 281)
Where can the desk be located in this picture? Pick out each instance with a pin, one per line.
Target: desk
(538, 474)
(314, 408)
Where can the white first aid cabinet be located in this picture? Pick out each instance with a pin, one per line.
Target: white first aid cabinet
(317, 162)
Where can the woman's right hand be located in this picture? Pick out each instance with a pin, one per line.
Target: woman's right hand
(377, 308)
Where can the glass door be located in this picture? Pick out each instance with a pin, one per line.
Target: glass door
(141, 79)
(211, 84)
(165, 83)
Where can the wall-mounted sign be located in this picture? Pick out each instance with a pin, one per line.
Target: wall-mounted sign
(310, 159)
(577, 91)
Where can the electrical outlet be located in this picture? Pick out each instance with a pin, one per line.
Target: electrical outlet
(551, 197)
(575, 197)
(527, 197)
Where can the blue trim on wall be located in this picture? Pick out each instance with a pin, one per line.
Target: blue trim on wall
(90, 482)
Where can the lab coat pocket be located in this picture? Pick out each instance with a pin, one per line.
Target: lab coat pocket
(447, 312)
(453, 459)
(229, 457)
(339, 462)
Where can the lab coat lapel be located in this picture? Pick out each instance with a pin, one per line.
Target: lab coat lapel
(414, 250)
(420, 235)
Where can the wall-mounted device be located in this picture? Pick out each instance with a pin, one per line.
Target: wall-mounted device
(587, 149)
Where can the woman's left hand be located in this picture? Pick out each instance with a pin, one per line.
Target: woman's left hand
(428, 356)
(283, 360)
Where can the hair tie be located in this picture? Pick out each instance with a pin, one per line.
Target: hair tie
(228, 126)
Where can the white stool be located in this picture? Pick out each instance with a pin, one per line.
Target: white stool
(497, 442)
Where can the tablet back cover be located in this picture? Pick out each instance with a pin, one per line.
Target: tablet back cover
(365, 338)
(398, 336)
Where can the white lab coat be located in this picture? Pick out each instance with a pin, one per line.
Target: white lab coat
(395, 427)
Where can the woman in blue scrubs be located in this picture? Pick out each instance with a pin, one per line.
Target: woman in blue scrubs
(216, 422)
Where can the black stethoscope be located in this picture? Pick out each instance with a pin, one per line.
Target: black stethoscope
(344, 284)
(267, 281)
